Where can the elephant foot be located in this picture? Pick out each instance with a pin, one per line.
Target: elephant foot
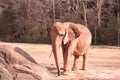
(67, 73)
(83, 69)
(75, 69)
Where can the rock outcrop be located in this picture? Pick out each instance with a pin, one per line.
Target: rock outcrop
(16, 64)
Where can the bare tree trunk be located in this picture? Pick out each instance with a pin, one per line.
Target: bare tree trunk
(99, 8)
(45, 26)
(118, 16)
(60, 10)
(28, 12)
(68, 3)
(95, 33)
(84, 12)
(78, 6)
(54, 11)
(118, 37)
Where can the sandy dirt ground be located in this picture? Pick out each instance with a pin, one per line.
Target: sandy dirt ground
(103, 62)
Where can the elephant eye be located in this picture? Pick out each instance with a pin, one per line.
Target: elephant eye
(61, 35)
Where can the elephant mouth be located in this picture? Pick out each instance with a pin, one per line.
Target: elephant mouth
(65, 46)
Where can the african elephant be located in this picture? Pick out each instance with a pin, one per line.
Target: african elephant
(74, 39)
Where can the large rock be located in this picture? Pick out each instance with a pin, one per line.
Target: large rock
(16, 64)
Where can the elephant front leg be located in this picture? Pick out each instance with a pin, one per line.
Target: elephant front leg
(67, 54)
(67, 66)
(76, 63)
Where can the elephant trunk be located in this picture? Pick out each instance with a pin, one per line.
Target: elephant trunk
(55, 47)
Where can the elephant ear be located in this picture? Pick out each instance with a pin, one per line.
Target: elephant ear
(71, 33)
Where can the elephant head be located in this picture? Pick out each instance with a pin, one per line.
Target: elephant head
(62, 33)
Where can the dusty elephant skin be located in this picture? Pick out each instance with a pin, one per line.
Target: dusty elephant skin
(74, 39)
(16, 64)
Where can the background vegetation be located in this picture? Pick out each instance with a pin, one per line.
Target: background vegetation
(31, 20)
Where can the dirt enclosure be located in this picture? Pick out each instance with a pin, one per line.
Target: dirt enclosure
(103, 62)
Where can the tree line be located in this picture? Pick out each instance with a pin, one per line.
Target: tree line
(31, 20)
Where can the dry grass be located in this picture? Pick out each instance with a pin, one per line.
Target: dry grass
(103, 62)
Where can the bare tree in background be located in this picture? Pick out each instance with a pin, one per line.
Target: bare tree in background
(84, 12)
(118, 18)
(54, 11)
(30, 20)
(99, 9)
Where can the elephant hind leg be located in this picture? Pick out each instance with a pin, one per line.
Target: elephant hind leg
(84, 62)
(84, 58)
(76, 63)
